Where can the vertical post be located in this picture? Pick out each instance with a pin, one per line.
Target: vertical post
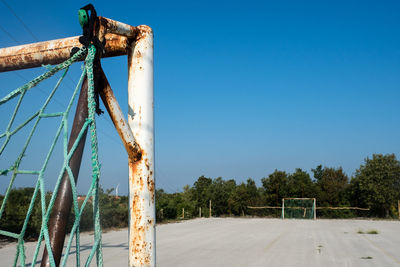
(183, 213)
(315, 208)
(210, 208)
(283, 208)
(62, 206)
(142, 247)
(398, 208)
(200, 212)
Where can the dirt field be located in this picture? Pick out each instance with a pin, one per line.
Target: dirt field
(256, 242)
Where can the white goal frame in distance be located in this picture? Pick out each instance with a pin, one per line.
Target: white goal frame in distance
(299, 198)
(137, 44)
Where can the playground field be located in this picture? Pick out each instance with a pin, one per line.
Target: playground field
(255, 242)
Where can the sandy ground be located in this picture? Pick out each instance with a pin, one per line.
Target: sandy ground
(254, 242)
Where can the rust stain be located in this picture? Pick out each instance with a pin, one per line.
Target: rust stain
(53, 52)
(141, 183)
(143, 31)
(138, 244)
(140, 116)
(111, 104)
(141, 225)
(150, 186)
(113, 26)
(146, 163)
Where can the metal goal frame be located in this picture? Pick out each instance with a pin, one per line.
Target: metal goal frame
(136, 133)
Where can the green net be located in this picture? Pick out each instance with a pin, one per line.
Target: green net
(298, 208)
(39, 193)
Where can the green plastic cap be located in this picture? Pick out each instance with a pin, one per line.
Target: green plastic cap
(83, 17)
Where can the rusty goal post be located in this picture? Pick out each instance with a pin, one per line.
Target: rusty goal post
(136, 132)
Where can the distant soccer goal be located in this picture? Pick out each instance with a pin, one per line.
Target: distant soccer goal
(299, 208)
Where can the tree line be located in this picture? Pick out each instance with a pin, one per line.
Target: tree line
(375, 185)
(113, 212)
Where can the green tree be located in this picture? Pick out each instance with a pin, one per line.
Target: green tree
(16, 211)
(202, 192)
(244, 195)
(186, 202)
(255, 199)
(220, 192)
(376, 184)
(275, 187)
(165, 205)
(331, 185)
(113, 212)
(300, 185)
(229, 187)
(239, 199)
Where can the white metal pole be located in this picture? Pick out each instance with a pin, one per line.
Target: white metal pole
(315, 208)
(142, 247)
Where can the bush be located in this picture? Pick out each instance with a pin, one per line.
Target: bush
(113, 212)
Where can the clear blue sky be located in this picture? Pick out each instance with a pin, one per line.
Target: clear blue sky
(244, 87)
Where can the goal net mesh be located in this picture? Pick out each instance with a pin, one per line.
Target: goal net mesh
(13, 167)
(298, 208)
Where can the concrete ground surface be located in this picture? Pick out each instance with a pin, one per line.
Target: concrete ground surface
(253, 242)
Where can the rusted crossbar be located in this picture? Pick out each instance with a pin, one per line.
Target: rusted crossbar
(56, 51)
(53, 52)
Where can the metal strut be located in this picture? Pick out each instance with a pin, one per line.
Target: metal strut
(62, 206)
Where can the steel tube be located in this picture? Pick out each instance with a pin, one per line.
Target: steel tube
(116, 27)
(117, 117)
(53, 52)
(315, 208)
(142, 247)
(62, 206)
